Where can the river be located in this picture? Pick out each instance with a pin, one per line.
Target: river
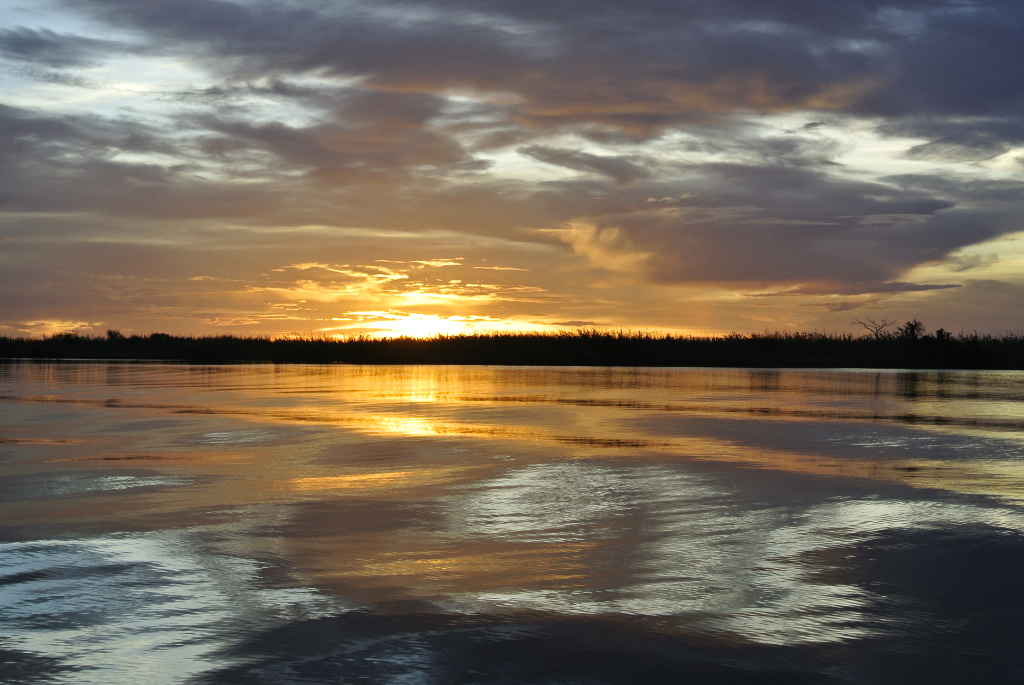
(168, 523)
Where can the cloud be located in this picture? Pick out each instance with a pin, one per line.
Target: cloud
(1001, 193)
(606, 247)
(638, 68)
(423, 263)
(56, 50)
(372, 137)
(71, 163)
(755, 225)
(861, 288)
(968, 139)
(45, 327)
(720, 150)
(577, 323)
(961, 263)
(619, 169)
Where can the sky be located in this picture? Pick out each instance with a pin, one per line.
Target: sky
(316, 167)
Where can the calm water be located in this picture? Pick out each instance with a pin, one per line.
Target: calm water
(407, 524)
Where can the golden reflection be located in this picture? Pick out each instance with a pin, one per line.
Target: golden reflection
(427, 566)
(37, 441)
(538, 414)
(459, 568)
(414, 426)
(358, 480)
(382, 479)
(999, 478)
(986, 477)
(407, 481)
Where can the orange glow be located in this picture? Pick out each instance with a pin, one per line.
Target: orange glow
(382, 479)
(358, 480)
(406, 425)
(411, 325)
(423, 326)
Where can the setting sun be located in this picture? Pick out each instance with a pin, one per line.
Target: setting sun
(412, 325)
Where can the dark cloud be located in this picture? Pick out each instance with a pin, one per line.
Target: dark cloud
(835, 255)
(757, 225)
(69, 164)
(372, 137)
(958, 138)
(839, 306)
(862, 289)
(640, 67)
(973, 148)
(57, 50)
(956, 58)
(997, 192)
(786, 223)
(34, 137)
(60, 78)
(244, 171)
(787, 150)
(619, 169)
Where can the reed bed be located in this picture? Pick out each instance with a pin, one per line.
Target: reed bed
(581, 347)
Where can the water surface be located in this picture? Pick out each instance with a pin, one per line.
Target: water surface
(432, 524)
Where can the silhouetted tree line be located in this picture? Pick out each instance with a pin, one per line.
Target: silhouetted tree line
(907, 346)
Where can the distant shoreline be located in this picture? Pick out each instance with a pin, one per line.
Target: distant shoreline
(579, 348)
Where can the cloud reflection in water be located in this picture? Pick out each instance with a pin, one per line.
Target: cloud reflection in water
(714, 509)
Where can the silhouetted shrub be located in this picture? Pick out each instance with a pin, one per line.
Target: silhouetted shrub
(908, 349)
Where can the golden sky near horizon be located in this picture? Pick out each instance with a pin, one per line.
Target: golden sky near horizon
(290, 167)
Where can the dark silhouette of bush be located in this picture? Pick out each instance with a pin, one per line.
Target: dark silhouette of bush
(911, 330)
(909, 348)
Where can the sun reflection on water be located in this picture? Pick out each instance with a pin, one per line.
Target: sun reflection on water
(381, 480)
(731, 501)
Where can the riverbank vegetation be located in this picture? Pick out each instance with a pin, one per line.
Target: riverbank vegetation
(907, 346)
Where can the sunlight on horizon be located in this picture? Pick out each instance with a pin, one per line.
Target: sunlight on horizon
(412, 325)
